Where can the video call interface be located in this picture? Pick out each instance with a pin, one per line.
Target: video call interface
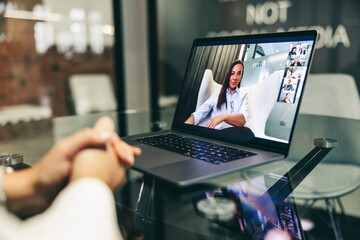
(295, 68)
(262, 61)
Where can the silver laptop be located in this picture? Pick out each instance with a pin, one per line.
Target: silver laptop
(237, 108)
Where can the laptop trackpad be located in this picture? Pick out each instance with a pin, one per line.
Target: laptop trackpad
(185, 172)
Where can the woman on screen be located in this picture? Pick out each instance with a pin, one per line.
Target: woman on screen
(293, 52)
(303, 50)
(228, 106)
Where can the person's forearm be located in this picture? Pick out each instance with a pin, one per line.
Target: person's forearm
(237, 120)
(20, 188)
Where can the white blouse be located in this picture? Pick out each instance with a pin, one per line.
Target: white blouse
(236, 102)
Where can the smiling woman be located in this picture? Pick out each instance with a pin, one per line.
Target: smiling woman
(229, 106)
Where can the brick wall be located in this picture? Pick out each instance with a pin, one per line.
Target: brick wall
(29, 77)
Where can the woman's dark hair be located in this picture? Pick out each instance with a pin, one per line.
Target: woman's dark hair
(225, 85)
(292, 51)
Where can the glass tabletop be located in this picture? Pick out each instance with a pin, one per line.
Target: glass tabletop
(241, 205)
(236, 206)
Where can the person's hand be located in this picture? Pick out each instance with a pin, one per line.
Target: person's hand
(124, 152)
(102, 164)
(213, 122)
(106, 164)
(32, 190)
(53, 170)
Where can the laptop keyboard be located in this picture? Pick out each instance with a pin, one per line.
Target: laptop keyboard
(202, 150)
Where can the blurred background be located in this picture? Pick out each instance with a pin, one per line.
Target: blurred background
(125, 49)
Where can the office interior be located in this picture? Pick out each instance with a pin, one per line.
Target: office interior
(72, 58)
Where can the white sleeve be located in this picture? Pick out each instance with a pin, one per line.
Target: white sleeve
(85, 209)
(206, 107)
(245, 106)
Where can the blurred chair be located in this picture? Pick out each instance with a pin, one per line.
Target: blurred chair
(207, 87)
(15, 114)
(259, 94)
(92, 93)
(330, 108)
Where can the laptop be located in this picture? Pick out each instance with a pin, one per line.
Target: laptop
(211, 135)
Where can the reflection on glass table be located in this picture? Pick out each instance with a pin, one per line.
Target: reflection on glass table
(256, 215)
(181, 216)
(246, 205)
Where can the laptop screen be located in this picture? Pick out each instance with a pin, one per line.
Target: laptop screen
(246, 88)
